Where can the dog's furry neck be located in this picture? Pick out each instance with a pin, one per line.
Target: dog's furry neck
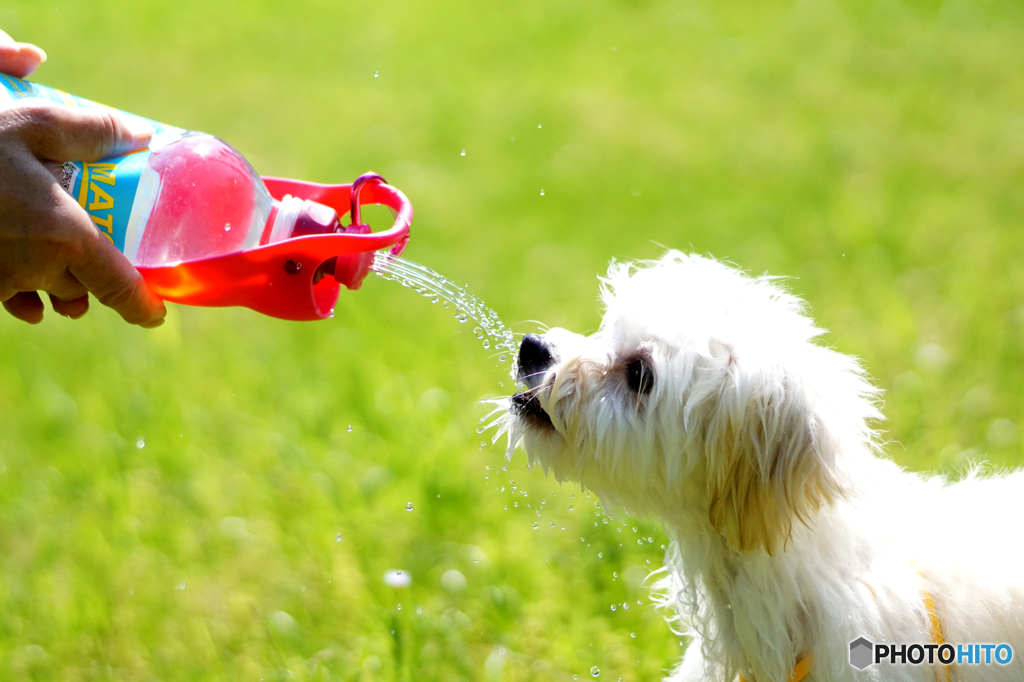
(756, 612)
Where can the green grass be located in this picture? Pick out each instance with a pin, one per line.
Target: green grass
(872, 150)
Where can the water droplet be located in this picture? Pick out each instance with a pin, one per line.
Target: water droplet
(542, 192)
(140, 443)
(625, 606)
(397, 579)
(462, 153)
(408, 506)
(486, 344)
(600, 555)
(480, 429)
(613, 607)
(633, 635)
(349, 429)
(729, 606)
(478, 332)
(462, 317)
(227, 228)
(180, 586)
(539, 126)
(595, 671)
(615, 575)
(504, 467)
(399, 607)
(502, 357)
(570, 507)
(337, 538)
(535, 525)
(376, 74)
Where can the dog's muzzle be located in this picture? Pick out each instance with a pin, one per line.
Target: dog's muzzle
(535, 358)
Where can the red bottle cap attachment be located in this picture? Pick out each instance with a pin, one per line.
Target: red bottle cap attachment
(287, 279)
(315, 218)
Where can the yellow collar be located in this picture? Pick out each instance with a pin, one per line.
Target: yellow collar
(801, 670)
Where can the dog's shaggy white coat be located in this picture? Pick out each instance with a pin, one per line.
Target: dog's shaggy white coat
(754, 447)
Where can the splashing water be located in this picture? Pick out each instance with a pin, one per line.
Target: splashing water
(488, 329)
(432, 285)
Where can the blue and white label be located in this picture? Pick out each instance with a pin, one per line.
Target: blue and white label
(118, 193)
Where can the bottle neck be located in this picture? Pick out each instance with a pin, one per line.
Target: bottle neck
(281, 222)
(293, 217)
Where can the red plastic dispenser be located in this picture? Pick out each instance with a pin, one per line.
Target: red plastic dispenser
(204, 229)
(298, 277)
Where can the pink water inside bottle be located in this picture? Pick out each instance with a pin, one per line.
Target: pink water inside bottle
(209, 202)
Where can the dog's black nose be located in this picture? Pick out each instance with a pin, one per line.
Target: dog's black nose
(534, 359)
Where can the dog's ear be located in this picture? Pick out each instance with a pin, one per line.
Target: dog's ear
(768, 465)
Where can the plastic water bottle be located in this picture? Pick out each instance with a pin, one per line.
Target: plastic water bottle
(188, 196)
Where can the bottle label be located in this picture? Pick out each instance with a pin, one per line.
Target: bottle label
(118, 194)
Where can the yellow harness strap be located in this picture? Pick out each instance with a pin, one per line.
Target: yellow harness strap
(935, 627)
(801, 670)
(803, 667)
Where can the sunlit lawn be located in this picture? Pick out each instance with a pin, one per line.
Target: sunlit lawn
(190, 503)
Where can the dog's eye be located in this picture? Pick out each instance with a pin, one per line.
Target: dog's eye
(639, 376)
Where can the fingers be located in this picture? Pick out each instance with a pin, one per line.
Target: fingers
(56, 132)
(65, 287)
(26, 306)
(74, 308)
(104, 271)
(19, 59)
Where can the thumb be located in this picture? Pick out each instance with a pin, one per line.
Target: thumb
(57, 132)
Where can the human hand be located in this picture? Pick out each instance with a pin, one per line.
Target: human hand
(19, 59)
(47, 241)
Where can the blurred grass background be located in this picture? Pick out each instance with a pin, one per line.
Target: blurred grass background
(190, 503)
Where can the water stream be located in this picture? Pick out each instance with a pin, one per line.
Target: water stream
(434, 286)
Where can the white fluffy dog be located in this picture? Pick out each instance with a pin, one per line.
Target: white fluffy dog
(703, 400)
